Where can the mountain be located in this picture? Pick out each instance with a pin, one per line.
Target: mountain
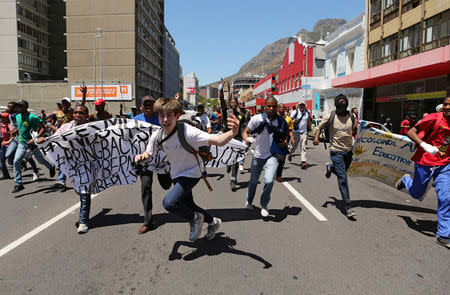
(270, 58)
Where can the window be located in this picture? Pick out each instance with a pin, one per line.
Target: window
(333, 67)
(350, 61)
(375, 54)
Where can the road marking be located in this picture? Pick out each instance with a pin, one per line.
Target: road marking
(305, 202)
(40, 228)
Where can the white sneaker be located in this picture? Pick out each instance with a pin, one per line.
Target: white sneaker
(211, 233)
(241, 168)
(249, 206)
(264, 211)
(82, 228)
(35, 177)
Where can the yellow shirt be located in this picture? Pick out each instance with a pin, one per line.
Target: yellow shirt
(289, 122)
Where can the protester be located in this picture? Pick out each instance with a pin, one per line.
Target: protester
(216, 120)
(424, 115)
(130, 115)
(290, 126)
(64, 115)
(271, 141)
(302, 119)
(341, 130)
(5, 129)
(355, 112)
(80, 116)
(405, 125)
(27, 123)
(388, 124)
(149, 116)
(185, 168)
(432, 160)
(200, 108)
(382, 119)
(247, 116)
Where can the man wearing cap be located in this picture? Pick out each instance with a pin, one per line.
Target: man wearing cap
(200, 108)
(165, 181)
(131, 115)
(100, 114)
(63, 115)
(302, 123)
(26, 123)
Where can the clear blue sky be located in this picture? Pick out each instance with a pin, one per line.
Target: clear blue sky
(215, 38)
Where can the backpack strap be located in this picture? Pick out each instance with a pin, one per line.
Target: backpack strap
(261, 126)
(330, 120)
(160, 140)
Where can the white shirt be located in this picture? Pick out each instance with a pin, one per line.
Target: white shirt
(205, 120)
(182, 163)
(303, 124)
(264, 139)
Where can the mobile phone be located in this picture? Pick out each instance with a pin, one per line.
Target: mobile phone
(230, 112)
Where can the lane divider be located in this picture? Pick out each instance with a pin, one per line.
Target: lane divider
(305, 202)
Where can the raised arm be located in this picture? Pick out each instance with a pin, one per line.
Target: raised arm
(224, 138)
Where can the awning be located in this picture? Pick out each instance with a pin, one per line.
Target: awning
(433, 63)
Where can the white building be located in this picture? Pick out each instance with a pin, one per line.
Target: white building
(345, 54)
(191, 89)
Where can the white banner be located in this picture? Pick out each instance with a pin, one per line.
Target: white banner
(98, 155)
(116, 92)
(383, 156)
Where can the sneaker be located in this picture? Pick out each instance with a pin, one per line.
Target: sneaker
(250, 206)
(59, 185)
(328, 167)
(213, 228)
(349, 211)
(196, 226)
(233, 185)
(18, 188)
(52, 172)
(443, 242)
(82, 228)
(290, 158)
(228, 169)
(264, 211)
(399, 185)
(241, 169)
(304, 165)
(279, 179)
(35, 176)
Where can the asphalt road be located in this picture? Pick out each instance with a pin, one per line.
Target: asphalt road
(389, 248)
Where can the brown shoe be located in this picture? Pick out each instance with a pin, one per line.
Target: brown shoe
(304, 165)
(279, 179)
(143, 229)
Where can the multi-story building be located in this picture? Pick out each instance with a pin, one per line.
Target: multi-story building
(408, 57)
(244, 82)
(261, 90)
(300, 77)
(345, 54)
(191, 89)
(171, 66)
(32, 40)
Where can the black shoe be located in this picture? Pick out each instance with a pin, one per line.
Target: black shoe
(328, 167)
(399, 185)
(59, 185)
(52, 171)
(228, 169)
(233, 185)
(290, 158)
(18, 188)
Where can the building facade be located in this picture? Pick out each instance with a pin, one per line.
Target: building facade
(345, 54)
(171, 66)
(191, 89)
(408, 57)
(244, 82)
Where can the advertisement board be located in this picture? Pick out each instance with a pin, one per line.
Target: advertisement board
(111, 92)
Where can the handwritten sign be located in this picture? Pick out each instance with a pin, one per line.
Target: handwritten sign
(382, 156)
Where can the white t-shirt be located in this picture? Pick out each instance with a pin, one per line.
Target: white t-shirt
(264, 139)
(303, 124)
(205, 121)
(182, 163)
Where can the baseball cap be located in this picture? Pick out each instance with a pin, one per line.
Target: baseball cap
(22, 102)
(99, 101)
(5, 115)
(148, 98)
(66, 99)
(133, 107)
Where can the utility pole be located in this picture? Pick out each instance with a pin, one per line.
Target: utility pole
(95, 63)
(101, 57)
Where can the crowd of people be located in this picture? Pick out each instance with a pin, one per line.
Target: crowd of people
(273, 135)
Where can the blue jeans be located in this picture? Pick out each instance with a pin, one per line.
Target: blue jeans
(85, 207)
(180, 201)
(270, 166)
(12, 147)
(341, 162)
(5, 172)
(18, 159)
(418, 187)
(61, 177)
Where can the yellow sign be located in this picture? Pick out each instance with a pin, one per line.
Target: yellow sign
(427, 95)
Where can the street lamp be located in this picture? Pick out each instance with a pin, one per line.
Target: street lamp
(95, 62)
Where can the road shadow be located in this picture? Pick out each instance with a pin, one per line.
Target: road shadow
(425, 227)
(339, 204)
(297, 179)
(103, 219)
(220, 244)
(46, 190)
(300, 165)
(219, 176)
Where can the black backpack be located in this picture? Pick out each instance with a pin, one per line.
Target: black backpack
(330, 122)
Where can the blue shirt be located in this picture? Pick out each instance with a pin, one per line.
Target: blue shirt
(214, 117)
(153, 120)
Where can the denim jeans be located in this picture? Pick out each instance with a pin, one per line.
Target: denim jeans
(341, 162)
(18, 159)
(61, 177)
(234, 171)
(3, 161)
(270, 166)
(180, 201)
(85, 208)
(12, 147)
(418, 187)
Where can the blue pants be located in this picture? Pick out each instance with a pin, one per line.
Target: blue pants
(18, 159)
(180, 201)
(61, 177)
(418, 186)
(85, 208)
(270, 165)
(3, 161)
(341, 162)
(10, 152)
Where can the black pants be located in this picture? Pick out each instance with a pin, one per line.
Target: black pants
(281, 161)
(146, 192)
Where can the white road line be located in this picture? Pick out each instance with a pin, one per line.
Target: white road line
(305, 202)
(38, 229)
